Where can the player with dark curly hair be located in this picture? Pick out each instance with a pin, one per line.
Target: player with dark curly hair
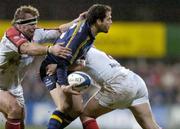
(79, 38)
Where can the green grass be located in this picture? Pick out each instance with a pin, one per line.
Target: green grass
(34, 127)
(31, 127)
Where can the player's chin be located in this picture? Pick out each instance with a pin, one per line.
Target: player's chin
(106, 31)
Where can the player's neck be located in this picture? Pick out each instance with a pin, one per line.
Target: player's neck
(94, 30)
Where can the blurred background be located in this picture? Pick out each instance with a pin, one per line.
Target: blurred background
(144, 37)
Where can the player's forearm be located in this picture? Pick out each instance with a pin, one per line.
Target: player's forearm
(33, 49)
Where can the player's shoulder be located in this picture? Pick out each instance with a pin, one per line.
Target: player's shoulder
(15, 36)
(42, 30)
(12, 32)
(39, 31)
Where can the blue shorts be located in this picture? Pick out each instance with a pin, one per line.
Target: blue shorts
(49, 81)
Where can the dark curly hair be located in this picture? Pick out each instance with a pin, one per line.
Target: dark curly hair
(97, 11)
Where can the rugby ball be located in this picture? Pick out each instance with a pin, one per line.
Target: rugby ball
(79, 80)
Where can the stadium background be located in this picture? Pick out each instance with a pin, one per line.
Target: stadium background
(144, 37)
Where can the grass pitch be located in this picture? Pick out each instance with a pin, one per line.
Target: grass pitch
(35, 127)
(30, 127)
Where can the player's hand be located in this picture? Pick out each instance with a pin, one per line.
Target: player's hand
(78, 65)
(51, 69)
(69, 90)
(64, 27)
(60, 51)
(82, 16)
(81, 62)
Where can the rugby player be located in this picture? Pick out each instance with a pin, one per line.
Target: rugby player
(17, 48)
(120, 88)
(79, 38)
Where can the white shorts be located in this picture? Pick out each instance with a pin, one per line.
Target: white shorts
(124, 92)
(17, 92)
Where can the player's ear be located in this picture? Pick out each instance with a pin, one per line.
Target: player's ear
(98, 21)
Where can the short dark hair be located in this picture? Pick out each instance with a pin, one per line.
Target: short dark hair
(97, 11)
(23, 10)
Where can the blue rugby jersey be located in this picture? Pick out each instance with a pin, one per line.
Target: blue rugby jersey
(79, 39)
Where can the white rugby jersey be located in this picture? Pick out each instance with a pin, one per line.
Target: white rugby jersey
(120, 87)
(102, 67)
(13, 64)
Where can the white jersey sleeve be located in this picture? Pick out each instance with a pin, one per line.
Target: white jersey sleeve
(45, 36)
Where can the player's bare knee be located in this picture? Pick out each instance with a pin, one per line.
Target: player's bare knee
(15, 111)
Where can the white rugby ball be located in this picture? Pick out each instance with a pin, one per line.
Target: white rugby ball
(79, 80)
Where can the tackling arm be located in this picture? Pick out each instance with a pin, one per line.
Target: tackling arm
(35, 49)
